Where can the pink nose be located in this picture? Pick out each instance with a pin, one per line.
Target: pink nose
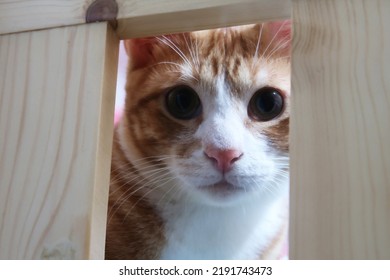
(224, 159)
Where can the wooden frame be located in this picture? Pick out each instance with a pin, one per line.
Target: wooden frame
(57, 77)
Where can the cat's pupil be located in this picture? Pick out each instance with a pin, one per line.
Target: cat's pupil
(183, 103)
(266, 104)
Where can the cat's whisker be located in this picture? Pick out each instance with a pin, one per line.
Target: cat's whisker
(184, 74)
(140, 168)
(156, 157)
(132, 171)
(255, 56)
(271, 187)
(169, 63)
(283, 176)
(168, 192)
(161, 185)
(119, 202)
(274, 37)
(280, 159)
(134, 165)
(141, 173)
(175, 48)
(140, 177)
(280, 45)
(195, 47)
(282, 58)
(138, 163)
(190, 50)
(130, 192)
(184, 77)
(282, 163)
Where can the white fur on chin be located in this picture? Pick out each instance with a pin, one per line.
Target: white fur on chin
(243, 231)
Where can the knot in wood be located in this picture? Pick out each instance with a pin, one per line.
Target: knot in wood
(102, 10)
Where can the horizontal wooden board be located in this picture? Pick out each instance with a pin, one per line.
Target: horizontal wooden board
(178, 16)
(140, 17)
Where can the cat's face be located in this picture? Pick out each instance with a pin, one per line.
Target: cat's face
(208, 112)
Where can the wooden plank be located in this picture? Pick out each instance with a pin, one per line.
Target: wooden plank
(162, 17)
(340, 130)
(55, 145)
(27, 15)
(139, 17)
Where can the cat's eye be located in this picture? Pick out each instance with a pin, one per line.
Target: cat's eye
(183, 103)
(266, 104)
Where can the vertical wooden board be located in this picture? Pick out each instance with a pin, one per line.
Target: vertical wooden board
(340, 130)
(55, 145)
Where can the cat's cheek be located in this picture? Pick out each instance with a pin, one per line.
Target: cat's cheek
(278, 135)
(188, 148)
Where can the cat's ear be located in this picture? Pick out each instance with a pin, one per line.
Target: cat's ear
(281, 30)
(144, 52)
(276, 35)
(140, 51)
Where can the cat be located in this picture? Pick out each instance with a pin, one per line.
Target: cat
(200, 155)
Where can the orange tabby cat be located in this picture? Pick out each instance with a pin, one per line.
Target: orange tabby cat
(200, 157)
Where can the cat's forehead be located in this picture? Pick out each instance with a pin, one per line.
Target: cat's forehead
(237, 56)
(225, 44)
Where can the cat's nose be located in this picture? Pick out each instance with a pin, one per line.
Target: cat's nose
(224, 159)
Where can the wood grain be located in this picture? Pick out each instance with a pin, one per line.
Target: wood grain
(57, 90)
(340, 130)
(140, 17)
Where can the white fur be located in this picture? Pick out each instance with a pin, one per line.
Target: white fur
(243, 231)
